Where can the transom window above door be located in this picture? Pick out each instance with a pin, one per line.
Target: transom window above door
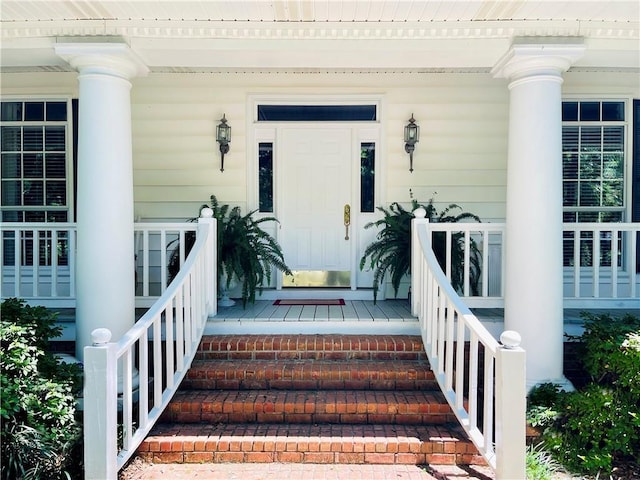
(317, 113)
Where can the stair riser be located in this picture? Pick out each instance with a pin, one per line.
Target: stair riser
(310, 418)
(321, 457)
(309, 375)
(317, 347)
(307, 384)
(309, 355)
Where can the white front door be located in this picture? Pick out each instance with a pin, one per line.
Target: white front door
(315, 188)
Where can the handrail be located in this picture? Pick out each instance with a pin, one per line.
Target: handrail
(130, 383)
(483, 381)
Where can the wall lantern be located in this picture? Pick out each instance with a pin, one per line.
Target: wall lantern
(223, 137)
(411, 137)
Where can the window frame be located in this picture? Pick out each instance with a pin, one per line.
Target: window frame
(627, 166)
(69, 125)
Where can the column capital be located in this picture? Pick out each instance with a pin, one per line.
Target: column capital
(529, 57)
(115, 59)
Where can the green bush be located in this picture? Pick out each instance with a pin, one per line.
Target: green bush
(39, 427)
(589, 430)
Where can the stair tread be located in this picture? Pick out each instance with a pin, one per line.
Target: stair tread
(337, 432)
(398, 365)
(317, 396)
(295, 443)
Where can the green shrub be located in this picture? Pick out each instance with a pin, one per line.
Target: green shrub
(587, 431)
(39, 427)
(540, 464)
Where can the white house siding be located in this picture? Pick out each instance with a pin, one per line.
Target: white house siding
(461, 154)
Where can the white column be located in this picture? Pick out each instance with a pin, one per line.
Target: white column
(533, 244)
(105, 249)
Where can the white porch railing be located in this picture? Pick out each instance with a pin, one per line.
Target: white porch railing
(129, 383)
(45, 275)
(485, 383)
(601, 263)
(38, 262)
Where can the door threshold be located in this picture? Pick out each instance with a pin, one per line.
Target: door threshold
(317, 293)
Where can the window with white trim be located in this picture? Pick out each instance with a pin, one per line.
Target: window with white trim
(593, 170)
(35, 145)
(34, 138)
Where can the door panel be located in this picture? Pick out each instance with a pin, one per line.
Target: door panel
(316, 184)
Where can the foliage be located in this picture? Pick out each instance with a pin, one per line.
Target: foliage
(39, 428)
(391, 251)
(589, 430)
(245, 251)
(608, 352)
(540, 464)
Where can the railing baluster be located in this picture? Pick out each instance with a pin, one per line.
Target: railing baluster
(614, 262)
(485, 264)
(576, 262)
(596, 263)
(54, 263)
(145, 263)
(633, 262)
(127, 399)
(460, 365)
(449, 350)
(35, 267)
(473, 381)
(179, 329)
(488, 397)
(71, 261)
(163, 259)
(467, 262)
(169, 357)
(157, 362)
(143, 358)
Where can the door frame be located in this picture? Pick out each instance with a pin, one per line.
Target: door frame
(361, 132)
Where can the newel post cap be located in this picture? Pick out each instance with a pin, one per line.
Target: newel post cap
(510, 339)
(206, 213)
(420, 212)
(101, 336)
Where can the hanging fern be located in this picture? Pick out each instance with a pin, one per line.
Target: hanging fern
(390, 253)
(245, 251)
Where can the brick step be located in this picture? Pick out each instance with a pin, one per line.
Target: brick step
(309, 375)
(309, 407)
(317, 347)
(340, 444)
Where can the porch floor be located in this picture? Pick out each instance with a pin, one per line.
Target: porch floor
(391, 316)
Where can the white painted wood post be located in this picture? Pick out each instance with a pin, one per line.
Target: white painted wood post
(211, 284)
(419, 215)
(100, 408)
(511, 404)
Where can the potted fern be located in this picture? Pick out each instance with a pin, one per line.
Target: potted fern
(390, 252)
(246, 253)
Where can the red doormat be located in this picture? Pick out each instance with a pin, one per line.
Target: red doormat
(333, 301)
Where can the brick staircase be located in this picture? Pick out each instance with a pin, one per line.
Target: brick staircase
(310, 399)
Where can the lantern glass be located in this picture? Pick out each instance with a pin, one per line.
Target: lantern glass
(223, 132)
(411, 133)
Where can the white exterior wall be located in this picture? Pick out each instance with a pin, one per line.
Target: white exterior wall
(461, 155)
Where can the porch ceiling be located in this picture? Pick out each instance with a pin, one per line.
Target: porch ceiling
(259, 35)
